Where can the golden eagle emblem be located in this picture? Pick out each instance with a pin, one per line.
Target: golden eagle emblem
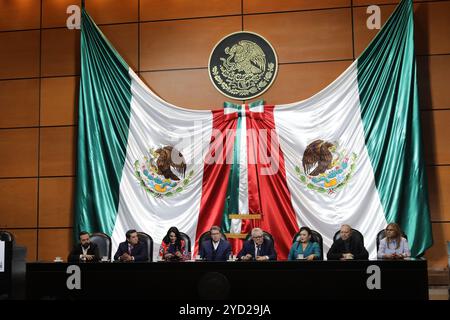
(162, 172)
(317, 156)
(326, 167)
(242, 65)
(169, 157)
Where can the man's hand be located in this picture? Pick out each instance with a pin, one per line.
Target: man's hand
(125, 257)
(90, 257)
(262, 258)
(247, 257)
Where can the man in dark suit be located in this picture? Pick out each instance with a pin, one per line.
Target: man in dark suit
(348, 247)
(215, 249)
(131, 249)
(84, 251)
(257, 248)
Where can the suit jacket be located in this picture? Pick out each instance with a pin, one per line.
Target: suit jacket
(356, 247)
(221, 254)
(267, 249)
(311, 248)
(74, 255)
(139, 251)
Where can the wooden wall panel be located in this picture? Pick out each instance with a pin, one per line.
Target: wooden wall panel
(54, 243)
(433, 81)
(259, 6)
(102, 11)
(182, 43)
(175, 9)
(27, 238)
(436, 136)
(19, 54)
(124, 37)
(59, 101)
(54, 12)
(439, 191)
(57, 156)
(60, 52)
(432, 27)
(113, 11)
(18, 152)
(437, 254)
(313, 35)
(56, 203)
(19, 103)
(363, 35)
(431, 24)
(296, 82)
(185, 88)
(370, 2)
(18, 203)
(20, 14)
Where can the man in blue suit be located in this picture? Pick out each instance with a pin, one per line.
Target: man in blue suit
(257, 248)
(132, 249)
(215, 249)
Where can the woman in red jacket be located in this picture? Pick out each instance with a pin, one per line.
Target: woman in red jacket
(173, 248)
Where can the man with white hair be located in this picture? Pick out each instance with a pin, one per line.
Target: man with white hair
(257, 248)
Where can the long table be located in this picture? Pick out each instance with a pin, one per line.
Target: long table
(378, 279)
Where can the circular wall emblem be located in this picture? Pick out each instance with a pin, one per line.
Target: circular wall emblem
(242, 65)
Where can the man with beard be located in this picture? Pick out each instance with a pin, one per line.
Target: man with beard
(85, 251)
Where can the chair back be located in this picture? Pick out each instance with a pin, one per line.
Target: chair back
(355, 233)
(103, 242)
(187, 241)
(207, 236)
(267, 237)
(6, 236)
(148, 243)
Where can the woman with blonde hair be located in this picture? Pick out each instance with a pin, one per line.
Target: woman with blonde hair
(393, 246)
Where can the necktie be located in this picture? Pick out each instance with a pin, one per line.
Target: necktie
(214, 251)
(258, 251)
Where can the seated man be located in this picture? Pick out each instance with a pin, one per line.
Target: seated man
(257, 248)
(85, 251)
(348, 247)
(215, 249)
(131, 249)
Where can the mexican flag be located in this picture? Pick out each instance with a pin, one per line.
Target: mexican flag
(350, 154)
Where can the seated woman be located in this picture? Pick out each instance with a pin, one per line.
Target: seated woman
(393, 246)
(173, 248)
(309, 250)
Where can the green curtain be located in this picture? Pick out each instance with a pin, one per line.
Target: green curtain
(104, 116)
(390, 114)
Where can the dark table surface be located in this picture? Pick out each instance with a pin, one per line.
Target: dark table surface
(401, 279)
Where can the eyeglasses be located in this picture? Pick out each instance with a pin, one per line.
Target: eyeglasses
(257, 237)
